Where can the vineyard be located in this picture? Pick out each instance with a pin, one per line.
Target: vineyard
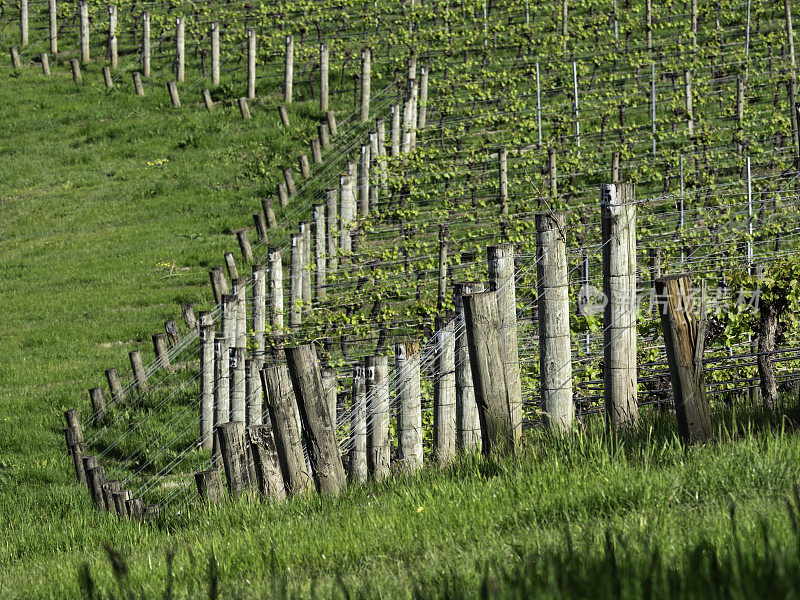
(413, 298)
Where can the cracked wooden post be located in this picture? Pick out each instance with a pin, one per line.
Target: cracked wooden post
(139, 376)
(275, 289)
(618, 215)
(244, 246)
(160, 349)
(555, 353)
(266, 462)
(323, 135)
(83, 7)
(363, 182)
(259, 307)
(357, 471)
(115, 385)
(95, 478)
(288, 70)
(188, 316)
(145, 58)
(280, 400)
(253, 399)
(98, 404)
(77, 450)
(347, 212)
(316, 151)
(444, 392)
(305, 281)
(15, 62)
(468, 425)
(501, 281)
(323, 449)
(486, 356)
(209, 486)
(283, 194)
(288, 178)
(239, 289)
(376, 372)
(234, 456)
(305, 166)
(230, 265)
(207, 386)
(324, 69)
(260, 225)
(409, 412)
(219, 285)
(171, 329)
(684, 339)
(332, 127)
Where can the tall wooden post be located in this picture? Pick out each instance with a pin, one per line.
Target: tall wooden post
(316, 151)
(222, 404)
(409, 412)
(281, 404)
(206, 386)
(259, 308)
(486, 357)
(219, 285)
(295, 280)
(443, 252)
(687, 90)
(347, 212)
(215, 54)
(113, 55)
(618, 214)
(684, 341)
(237, 383)
(239, 289)
(555, 353)
(251, 64)
(139, 377)
(269, 213)
(363, 182)
(23, 23)
(792, 76)
(84, 14)
(366, 85)
(394, 112)
(323, 77)
(323, 450)
(74, 63)
(330, 384)
(357, 471)
(275, 289)
(468, 425)
(551, 169)
(376, 374)
(254, 400)
(444, 392)
(320, 241)
(332, 218)
(422, 112)
(180, 49)
(305, 236)
(501, 281)
(502, 160)
(289, 70)
(145, 44)
(53, 18)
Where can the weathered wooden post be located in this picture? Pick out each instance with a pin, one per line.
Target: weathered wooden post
(259, 307)
(244, 109)
(15, 62)
(266, 462)
(98, 404)
(219, 285)
(331, 386)
(275, 289)
(378, 448)
(305, 273)
(77, 450)
(316, 151)
(347, 212)
(684, 340)
(83, 7)
(283, 194)
(295, 280)
(45, 64)
(207, 100)
(444, 392)
(206, 386)
(615, 167)
(209, 485)
(230, 265)
(363, 182)
(260, 225)
(323, 450)
(160, 350)
(394, 112)
(139, 377)
(76, 71)
(234, 456)
(237, 383)
(253, 398)
(269, 212)
(188, 316)
(107, 491)
(358, 428)
(501, 281)
(95, 478)
(23, 22)
(324, 69)
(172, 87)
(332, 127)
(486, 357)
(288, 177)
(145, 44)
(180, 49)
(251, 64)
(551, 169)
(289, 70)
(244, 246)
(111, 50)
(366, 85)
(222, 403)
(137, 83)
(214, 54)
(443, 251)
(468, 425)
(283, 113)
(322, 133)
(409, 411)
(422, 111)
(53, 19)
(305, 166)
(792, 76)
(618, 214)
(319, 252)
(171, 329)
(555, 353)
(332, 218)
(115, 385)
(687, 89)
(280, 399)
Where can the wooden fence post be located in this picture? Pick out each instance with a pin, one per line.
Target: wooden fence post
(15, 62)
(207, 386)
(444, 392)
(115, 385)
(347, 211)
(137, 83)
(160, 349)
(95, 478)
(551, 169)
(358, 428)
(323, 77)
(363, 182)
(305, 237)
(234, 456)
(180, 49)
(23, 22)
(394, 112)
(260, 225)
(173, 337)
(53, 20)
(332, 127)
(45, 64)
(230, 265)
(219, 285)
(253, 398)
(305, 166)
(501, 281)
(323, 450)
(331, 387)
(214, 54)
(378, 411)
(137, 367)
(188, 316)
(316, 151)
(555, 354)
(244, 246)
(222, 401)
(98, 404)
(615, 167)
(269, 213)
(251, 64)
(281, 406)
(145, 44)
(320, 241)
(322, 133)
(366, 85)
(107, 490)
(111, 50)
(84, 14)
(283, 194)
(266, 462)
(172, 88)
(468, 426)
(332, 218)
(209, 485)
(409, 412)
(289, 70)
(443, 252)
(486, 357)
(275, 289)
(244, 110)
(237, 383)
(618, 214)
(295, 280)
(76, 71)
(288, 177)
(502, 159)
(259, 308)
(684, 340)
(77, 450)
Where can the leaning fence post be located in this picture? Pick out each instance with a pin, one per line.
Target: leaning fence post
(358, 428)
(281, 406)
(486, 357)
(219, 285)
(409, 412)
(207, 386)
(323, 450)
(115, 385)
(266, 463)
(468, 425)
(137, 83)
(45, 63)
(77, 450)
(160, 349)
(15, 58)
(234, 456)
(618, 214)
(501, 281)
(76, 71)
(289, 70)
(444, 392)
(98, 404)
(555, 354)
(137, 367)
(172, 87)
(684, 340)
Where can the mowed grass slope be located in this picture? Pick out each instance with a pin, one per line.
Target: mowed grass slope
(89, 215)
